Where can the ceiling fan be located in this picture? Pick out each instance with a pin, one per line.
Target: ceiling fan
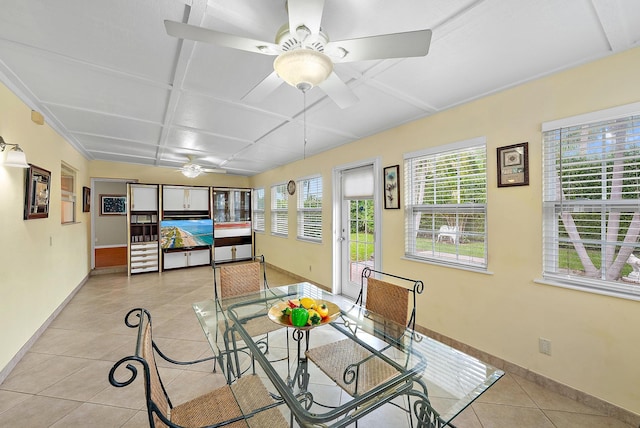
(304, 53)
(192, 169)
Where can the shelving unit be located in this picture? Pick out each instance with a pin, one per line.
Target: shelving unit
(143, 224)
(162, 226)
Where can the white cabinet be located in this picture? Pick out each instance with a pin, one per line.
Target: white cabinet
(144, 257)
(182, 198)
(179, 259)
(144, 197)
(232, 252)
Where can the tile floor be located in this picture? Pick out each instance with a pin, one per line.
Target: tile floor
(62, 381)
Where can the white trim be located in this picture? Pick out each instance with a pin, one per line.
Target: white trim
(594, 116)
(472, 142)
(336, 213)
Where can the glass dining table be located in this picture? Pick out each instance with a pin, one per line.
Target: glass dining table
(366, 360)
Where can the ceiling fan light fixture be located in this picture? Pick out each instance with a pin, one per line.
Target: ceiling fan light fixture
(303, 68)
(191, 170)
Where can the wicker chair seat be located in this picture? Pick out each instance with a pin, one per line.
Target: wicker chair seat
(222, 405)
(335, 358)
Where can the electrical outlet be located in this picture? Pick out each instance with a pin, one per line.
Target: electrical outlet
(544, 346)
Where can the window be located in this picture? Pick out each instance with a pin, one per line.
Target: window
(446, 204)
(258, 210)
(310, 209)
(279, 210)
(67, 187)
(591, 201)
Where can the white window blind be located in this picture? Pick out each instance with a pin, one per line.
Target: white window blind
(591, 201)
(358, 183)
(310, 209)
(445, 198)
(279, 210)
(258, 210)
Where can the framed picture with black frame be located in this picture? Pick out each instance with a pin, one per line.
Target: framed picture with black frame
(392, 187)
(513, 165)
(113, 205)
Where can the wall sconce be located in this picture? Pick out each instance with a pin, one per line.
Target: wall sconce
(15, 156)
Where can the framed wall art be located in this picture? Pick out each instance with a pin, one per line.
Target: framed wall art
(513, 165)
(113, 204)
(392, 187)
(86, 199)
(37, 191)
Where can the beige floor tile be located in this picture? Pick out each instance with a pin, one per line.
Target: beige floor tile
(83, 384)
(140, 420)
(44, 375)
(103, 416)
(9, 399)
(38, 412)
(549, 400)
(507, 391)
(580, 420)
(502, 416)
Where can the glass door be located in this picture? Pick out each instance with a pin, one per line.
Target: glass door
(357, 226)
(358, 242)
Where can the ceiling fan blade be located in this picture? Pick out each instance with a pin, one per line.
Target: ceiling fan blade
(338, 91)
(264, 88)
(398, 45)
(199, 34)
(305, 12)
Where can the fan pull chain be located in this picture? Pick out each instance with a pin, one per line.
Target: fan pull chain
(304, 119)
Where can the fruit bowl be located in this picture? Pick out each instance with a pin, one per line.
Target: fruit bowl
(276, 315)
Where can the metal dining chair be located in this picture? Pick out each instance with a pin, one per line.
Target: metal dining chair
(241, 404)
(353, 367)
(233, 280)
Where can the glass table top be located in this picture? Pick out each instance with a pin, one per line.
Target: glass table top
(372, 359)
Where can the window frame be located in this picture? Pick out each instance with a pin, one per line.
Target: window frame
(258, 215)
(580, 210)
(68, 196)
(461, 212)
(303, 211)
(279, 212)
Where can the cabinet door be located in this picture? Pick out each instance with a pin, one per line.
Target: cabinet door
(198, 199)
(221, 206)
(176, 259)
(173, 199)
(144, 198)
(241, 205)
(199, 257)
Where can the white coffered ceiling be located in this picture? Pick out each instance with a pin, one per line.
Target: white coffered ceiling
(108, 78)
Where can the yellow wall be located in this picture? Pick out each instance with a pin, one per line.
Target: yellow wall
(595, 339)
(41, 261)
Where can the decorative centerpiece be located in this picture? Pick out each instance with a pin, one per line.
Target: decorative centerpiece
(303, 313)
